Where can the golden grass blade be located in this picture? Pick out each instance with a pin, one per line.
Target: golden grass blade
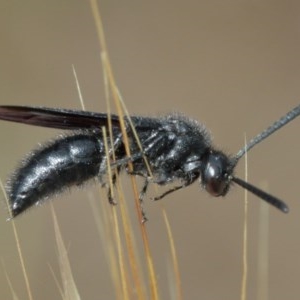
(124, 281)
(263, 250)
(14, 295)
(56, 281)
(25, 275)
(69, 287)
(78, 88)
(103, 217)
(173, 256)
(115, 94)
(152, 277)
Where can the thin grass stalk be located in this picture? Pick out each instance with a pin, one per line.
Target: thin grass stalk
(23, 267)
(173, 256)
(245, 235)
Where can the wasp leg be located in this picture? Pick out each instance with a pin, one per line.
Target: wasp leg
(142, 192)
(116, 169)
(141, 199)
(187, 182)
(110, 197)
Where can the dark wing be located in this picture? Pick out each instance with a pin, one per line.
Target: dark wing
(56, 117)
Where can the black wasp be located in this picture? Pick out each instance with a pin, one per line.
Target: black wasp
(175, 147)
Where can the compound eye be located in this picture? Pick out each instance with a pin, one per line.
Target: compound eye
(215, 176)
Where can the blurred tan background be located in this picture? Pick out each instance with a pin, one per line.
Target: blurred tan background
(234, 65)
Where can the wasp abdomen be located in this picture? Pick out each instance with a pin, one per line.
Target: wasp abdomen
(67, 161)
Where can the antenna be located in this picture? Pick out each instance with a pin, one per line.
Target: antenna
(291, 115)
(262, 195)
(295, 112)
